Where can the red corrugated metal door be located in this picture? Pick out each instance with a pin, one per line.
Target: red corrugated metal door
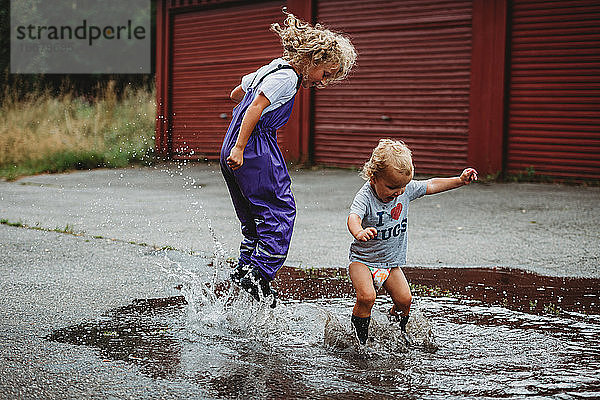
(554, 121)
(411, 83)
(211, 50)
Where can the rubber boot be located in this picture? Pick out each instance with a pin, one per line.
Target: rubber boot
(255, 284)
(361, 327)
(401, 320)
(239, 272)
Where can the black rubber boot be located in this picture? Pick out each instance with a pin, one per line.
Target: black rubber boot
(254, 283)
(250, 283)
(361, 326)
(239, 272)
(403, 321)
(268, 291)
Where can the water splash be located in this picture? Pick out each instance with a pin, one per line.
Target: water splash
(385, 337)
(214, 303)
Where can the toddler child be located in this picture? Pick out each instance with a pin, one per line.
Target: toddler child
(378, 220)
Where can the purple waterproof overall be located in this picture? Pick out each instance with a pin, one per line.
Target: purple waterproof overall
(261, 189)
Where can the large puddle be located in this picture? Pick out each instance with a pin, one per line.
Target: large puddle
(477, 333)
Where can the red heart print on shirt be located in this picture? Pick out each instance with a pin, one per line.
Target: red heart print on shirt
(396, 211)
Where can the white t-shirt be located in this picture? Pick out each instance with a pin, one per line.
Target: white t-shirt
(279, 87)
(388, 248)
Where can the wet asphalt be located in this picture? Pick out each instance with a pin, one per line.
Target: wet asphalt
(90, 242)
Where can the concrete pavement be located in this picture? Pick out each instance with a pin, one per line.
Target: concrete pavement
(546, 228)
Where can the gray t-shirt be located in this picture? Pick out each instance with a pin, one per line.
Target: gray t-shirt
(388, 248)
(279, 87)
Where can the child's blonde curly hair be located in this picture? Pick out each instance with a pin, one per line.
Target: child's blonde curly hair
(388, 154)
(306, 47)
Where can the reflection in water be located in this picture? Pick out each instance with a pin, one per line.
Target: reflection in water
(139, 333)
(510, 288)
(514, 289)
(477, 334)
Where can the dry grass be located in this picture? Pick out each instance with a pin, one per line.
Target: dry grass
(43, 133)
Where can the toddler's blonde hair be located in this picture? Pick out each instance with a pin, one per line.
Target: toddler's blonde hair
(306, 46)
(388, 154)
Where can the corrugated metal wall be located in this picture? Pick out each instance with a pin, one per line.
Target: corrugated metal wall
(211, 49)
(411, 83)
(554, 111)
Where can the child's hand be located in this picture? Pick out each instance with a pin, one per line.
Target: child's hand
(366, 234)
(468, 175)
(235, 159)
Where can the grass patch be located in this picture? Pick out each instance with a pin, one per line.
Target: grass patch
(8, 223)
(68, 229)
(43, 133)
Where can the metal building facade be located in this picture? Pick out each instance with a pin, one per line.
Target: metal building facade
(458, 81)
(411, 83)
(554, 109)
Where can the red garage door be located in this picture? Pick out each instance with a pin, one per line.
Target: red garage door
(554, 114)
(411, 82)
(211, 51)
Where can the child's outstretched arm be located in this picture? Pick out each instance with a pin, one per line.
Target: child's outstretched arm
(437, 185)
(356, 229)
(251, 117)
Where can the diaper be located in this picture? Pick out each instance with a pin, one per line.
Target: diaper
(380, 275)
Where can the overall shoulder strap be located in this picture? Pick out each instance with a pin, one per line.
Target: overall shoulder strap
(280, 66)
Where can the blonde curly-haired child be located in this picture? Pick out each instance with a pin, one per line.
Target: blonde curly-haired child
(378, 220)
(251, 161)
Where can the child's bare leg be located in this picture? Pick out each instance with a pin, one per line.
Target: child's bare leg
(397, 286)
(362, 281)
(365, 291)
